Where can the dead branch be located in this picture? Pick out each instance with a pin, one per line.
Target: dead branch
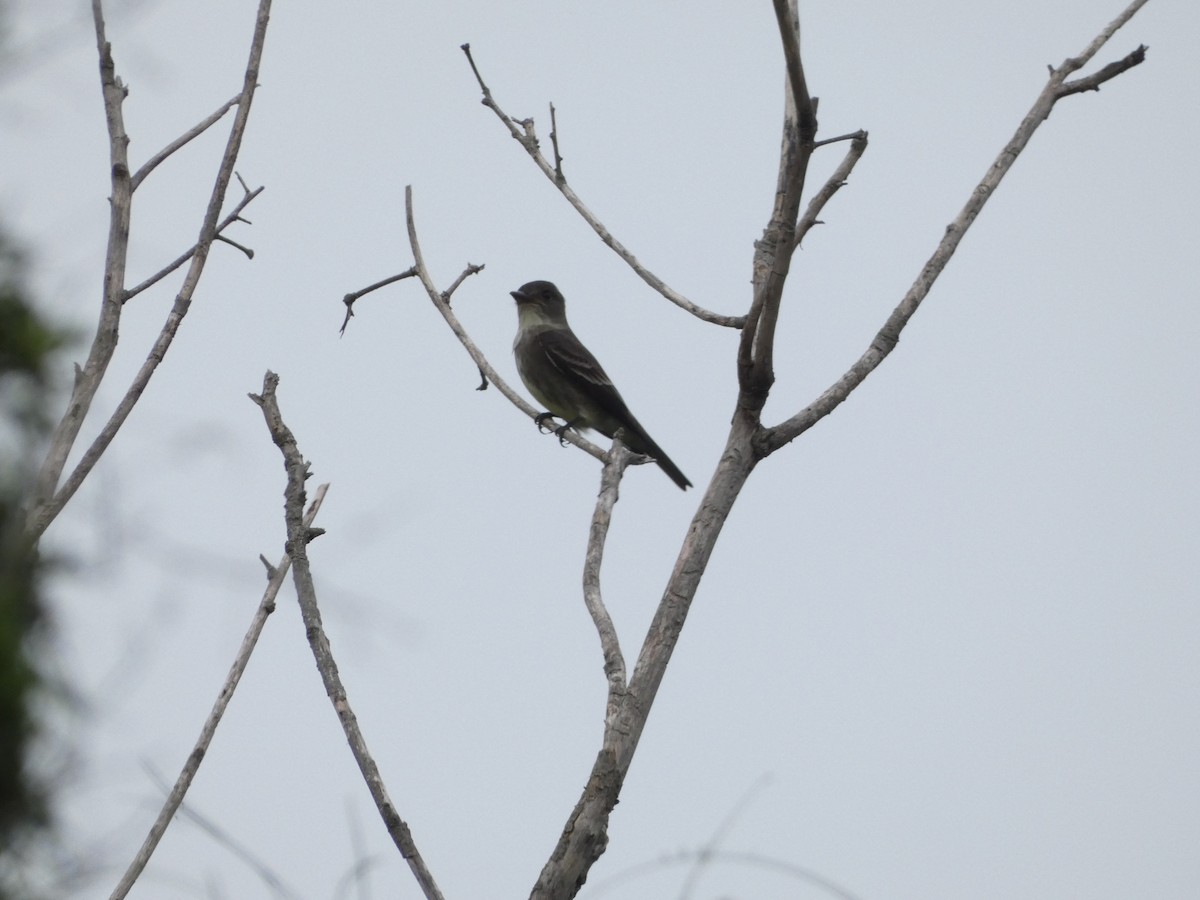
(616, 460)
(266, 606)
(194, 132)
(524, 133)
(858, 146)
(49, 496)
(888, 336)
(298, 536)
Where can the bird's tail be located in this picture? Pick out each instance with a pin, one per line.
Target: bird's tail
(640, 442)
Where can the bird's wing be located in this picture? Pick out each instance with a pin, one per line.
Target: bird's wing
(567, 354)
(572, 359)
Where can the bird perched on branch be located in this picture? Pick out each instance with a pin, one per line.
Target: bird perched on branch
(566, 379)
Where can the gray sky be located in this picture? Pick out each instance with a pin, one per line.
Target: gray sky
(956, 623)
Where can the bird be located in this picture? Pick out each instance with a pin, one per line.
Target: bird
(565, 378)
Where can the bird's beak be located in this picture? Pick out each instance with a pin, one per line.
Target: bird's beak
(518, 296)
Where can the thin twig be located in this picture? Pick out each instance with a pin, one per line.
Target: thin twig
(47, 507)
(559, 178)
(1112, 70)
(466, 273)
(194, 132)
(200, 749)
(298, 536)
(527, 138)
(353, 296)
(858, 146)
(849, 136)
(887, 337)
(234, 216)
(469, 345)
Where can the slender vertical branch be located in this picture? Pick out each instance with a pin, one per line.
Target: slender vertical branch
(615, 462)
(298, 536)
(104, 343)
(773, 253)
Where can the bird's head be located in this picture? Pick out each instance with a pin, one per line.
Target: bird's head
(540, 301)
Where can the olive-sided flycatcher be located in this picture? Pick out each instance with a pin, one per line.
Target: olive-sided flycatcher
(566, 379)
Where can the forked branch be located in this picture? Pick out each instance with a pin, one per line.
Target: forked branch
(51, 493)
(525, 134)
(885, 340)
(298, 536)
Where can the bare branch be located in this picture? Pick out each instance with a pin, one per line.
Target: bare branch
(232, 243)
(526, 136)
(466, 273)
(887, 337)
(104, 343)
(858, 146)
(149, 165)
(48, 502)
(616, 460)
(773, 253)
(469, 345)
(788, 20)
(1112, 70)
(175, 797)
(584, 837)
(1089, 52)
(299, 535)
(559, 178)
(234, 216)
(349, 299)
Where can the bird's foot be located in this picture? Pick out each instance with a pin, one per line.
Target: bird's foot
(540, 421)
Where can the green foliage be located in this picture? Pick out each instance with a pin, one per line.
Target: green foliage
(25, 345)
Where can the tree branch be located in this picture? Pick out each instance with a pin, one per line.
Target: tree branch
(773, 254)
(275, 578)
(888, 336)
(835, 182)
(149, 165)
(439, 301)
(526, 136)
(615, 462)
(1112, 70)
(351, 298)
(584, 837)
(298, 536)
(234, 216)
(48, 503)
(104, 343)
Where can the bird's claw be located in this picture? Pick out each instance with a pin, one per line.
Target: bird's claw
(540, 421)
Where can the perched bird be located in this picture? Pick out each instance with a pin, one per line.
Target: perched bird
(565, 378)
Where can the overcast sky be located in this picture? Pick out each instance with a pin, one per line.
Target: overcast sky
(955, 625)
